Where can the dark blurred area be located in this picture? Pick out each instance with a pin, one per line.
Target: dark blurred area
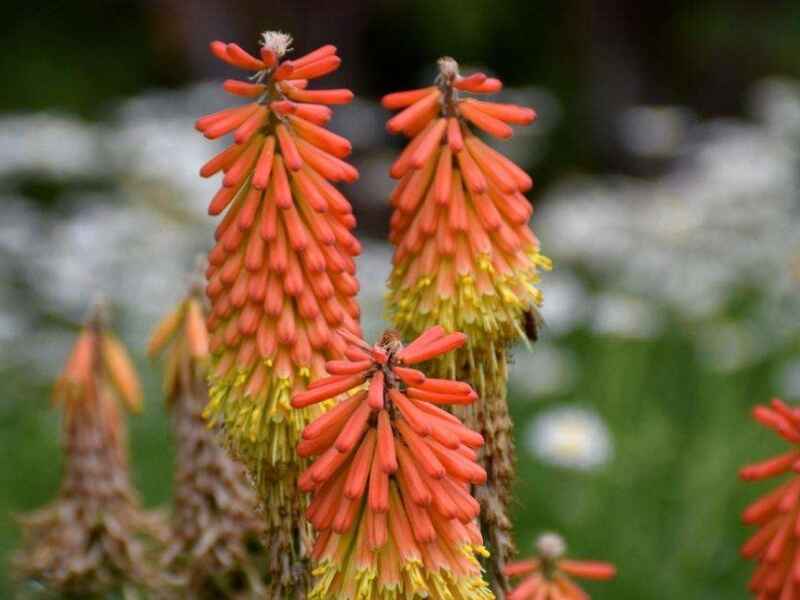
(666, 161)
(599, 58)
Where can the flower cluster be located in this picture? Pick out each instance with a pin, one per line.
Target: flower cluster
(94, 538)
(216, 534)
(281, 277)
(547, 577)
(390, 483)
(776, 544)
(465, 257)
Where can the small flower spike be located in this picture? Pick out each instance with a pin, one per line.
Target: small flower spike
(281, 277)
(215, 546)
(465, 258)
(775, 547)
(548, 576)
(94, 539)
(390, 484)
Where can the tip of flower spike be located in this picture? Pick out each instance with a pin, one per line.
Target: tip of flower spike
(276, 41)
(448, 67)
(551, 546)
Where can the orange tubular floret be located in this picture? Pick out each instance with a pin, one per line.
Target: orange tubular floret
(521, 568)
(315, 55)
(386, 447)
(288, 149)
(518, 115)
(358, 474)
(412, 415)
(484, 121)
(441, 346)
(318, 68)
(325, 391)
(263, 167)
(340, 96)
(599, 571)
(376, 391)
(471, 83)
(414, 115)
(244, 89)
(378, 494)
(429, 142)
(398, 100)
(321, 137)
(354, 428)
(334, 419)
(771, 467)
(243, 58)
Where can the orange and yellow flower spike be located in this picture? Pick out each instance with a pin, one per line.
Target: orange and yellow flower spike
(281, 277)
(465, 257)
(390, 483)
(549, 576)
(775, 547)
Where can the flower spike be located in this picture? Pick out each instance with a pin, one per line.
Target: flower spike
(775, 547)
(94, 539)
(281, 277)
(390, 483)
(549, 576)
(216, 533)
(465, 257)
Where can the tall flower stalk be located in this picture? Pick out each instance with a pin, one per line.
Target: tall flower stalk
(281, 277)
(215, 549)
(94, 539)
(775, 547)
(390, 483)
(466, 259)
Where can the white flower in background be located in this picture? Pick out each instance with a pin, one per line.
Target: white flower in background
(48, 144)
(776, 102)
(566, 302)
(626, 316)
(786, 380)
(654, 131)
(571, 437)
(723, 223)
(541, 371)
(728, 347)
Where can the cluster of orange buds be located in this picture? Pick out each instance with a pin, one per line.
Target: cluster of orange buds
(547, 577)
(94, 539)
(465, 257)
(776, 544)
(98, 368)
(391, 501)
(184, 331)
(216, 533)
(281, 277)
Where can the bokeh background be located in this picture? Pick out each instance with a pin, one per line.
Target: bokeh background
(666, 160)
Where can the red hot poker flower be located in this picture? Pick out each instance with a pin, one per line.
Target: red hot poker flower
(548, 576)
(776, 544)
(281, 277)
(390, 484)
